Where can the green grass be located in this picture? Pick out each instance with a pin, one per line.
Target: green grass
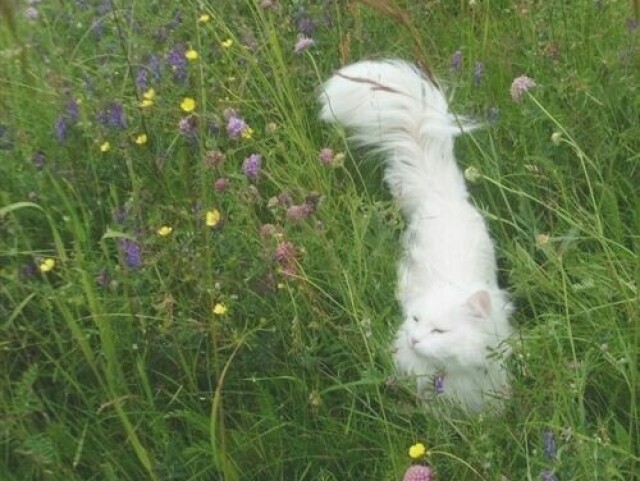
(117, 373)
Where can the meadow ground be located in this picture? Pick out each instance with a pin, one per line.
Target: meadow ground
(191, 288)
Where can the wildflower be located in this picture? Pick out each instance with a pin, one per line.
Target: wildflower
(456, 61)
(113, 116)
(478, 73)
(338, 160)
(47, 264)
(305, 24)
(187, 125)
(547, 475)
(285, 252)
(61, 129)
(141, 139)
(145, 103)
(417, 451)
(164, 231)
(188, 104)
(73, 111)
(149, 94)
(251, 166)
(549, 444)
(418, 472)
(221, 184)
(214, 158)
(31, 13)
(191, 55)
(227, 43)
(212, 217)
(131, 251)
(472, 174)
(105, 147)
(520, 86)
(236, 126)
(204, 18)
(220, 309)
(178, 63)
(303, 43)
(271, 127)
(326, 156)
(542, 240)
(267, 230)
(556, 138)
(298, 212)
(285, 255)
(247, 133)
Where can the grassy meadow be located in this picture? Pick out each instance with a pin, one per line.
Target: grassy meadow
(197, 276)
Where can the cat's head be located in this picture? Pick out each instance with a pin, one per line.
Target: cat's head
(454, 328)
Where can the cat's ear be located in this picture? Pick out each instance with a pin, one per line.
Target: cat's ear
(480, 303)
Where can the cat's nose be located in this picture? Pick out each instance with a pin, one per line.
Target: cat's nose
(414, 340)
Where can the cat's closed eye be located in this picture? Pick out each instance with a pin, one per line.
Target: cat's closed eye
(435, 330)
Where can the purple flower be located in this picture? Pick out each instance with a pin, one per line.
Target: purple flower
(549, 444)
(251, 166)
(547, 475)
(38, 160)
(113, 116)
(520, 86)
(221, 184)
(61, 129)
(142, 78)
(73, 111)
(132, 252)
(178, 63)
(305, 23)
(456, 61)
(285, 252)
(303, 43)
(418, 472)
(478, 73)
(438, 384)
(297, 212)
(326, 156)
(236, 126)
(187, 126)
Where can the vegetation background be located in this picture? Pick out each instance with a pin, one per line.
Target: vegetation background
(197, 277)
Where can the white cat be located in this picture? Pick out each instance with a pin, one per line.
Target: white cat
(455, 315)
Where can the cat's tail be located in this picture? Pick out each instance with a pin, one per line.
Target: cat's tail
(393, 107)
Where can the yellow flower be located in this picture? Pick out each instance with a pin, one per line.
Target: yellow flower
(149, 94)
(145, 103)
(165, 230)
(204, 18)
(417, 451)
(47, 264)
(220, 309)
(141, 139)
(247, 133)
(105, 147)
(213, 217)
(191, 54)
(227, 43)
(188, 104)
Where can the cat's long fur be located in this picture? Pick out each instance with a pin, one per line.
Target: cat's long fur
(455, 315)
